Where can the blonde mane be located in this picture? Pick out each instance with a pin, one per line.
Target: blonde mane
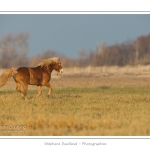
(49, 61)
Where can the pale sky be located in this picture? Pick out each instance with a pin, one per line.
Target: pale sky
(67, 34)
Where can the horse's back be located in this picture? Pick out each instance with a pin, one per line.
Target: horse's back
(23, 70)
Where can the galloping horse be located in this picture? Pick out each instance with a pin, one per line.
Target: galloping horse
(39, 75)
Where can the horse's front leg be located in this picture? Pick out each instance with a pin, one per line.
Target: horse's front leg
(50, 88)
(39, 90)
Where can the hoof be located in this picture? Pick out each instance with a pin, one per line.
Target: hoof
(26, 99)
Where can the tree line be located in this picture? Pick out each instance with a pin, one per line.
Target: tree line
(127, 53)
(14, 53)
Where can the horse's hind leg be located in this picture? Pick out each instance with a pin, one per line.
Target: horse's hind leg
(18, 87)
(25, 88)
(19, 90)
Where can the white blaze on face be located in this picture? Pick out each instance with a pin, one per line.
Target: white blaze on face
(61, 70)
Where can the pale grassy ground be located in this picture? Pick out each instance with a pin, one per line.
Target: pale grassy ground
(81, 104)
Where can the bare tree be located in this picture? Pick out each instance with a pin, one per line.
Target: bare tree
(142, 49)
(13, 50)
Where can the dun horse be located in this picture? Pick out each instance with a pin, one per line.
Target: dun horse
(39, 75)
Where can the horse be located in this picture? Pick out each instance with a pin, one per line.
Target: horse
(39, 75)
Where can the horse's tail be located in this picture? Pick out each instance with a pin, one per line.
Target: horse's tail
(6, 75)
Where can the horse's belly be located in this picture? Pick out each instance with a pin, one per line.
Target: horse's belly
(35, 81)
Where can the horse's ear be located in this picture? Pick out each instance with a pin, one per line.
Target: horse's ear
(58, 59)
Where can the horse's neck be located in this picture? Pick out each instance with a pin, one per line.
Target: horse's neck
(49, 69)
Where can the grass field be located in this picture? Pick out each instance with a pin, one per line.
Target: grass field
(80, 105)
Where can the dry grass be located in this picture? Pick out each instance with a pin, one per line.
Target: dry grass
(80, 105)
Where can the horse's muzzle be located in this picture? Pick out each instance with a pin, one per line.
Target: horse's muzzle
(61, 70)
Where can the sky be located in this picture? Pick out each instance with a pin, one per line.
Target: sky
(67, 34)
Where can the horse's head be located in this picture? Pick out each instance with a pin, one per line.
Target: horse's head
(57, 67)
(52, 63)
